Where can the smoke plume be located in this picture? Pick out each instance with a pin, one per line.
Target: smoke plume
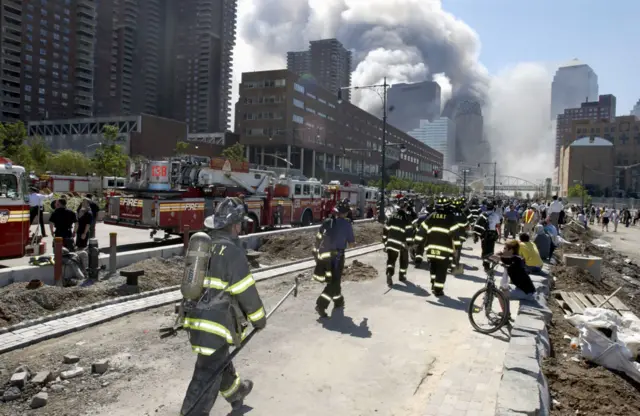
(403, 40)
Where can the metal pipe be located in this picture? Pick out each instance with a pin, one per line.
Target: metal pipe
(113, 252)
(57, 261)
(384, 149)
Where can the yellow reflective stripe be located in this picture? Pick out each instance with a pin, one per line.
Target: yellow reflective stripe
(438, 230)
(318, 235)
(408, 227)
(393, 227)
(202, 350)
(386, 227)
(395, 241)
(327, 297)
(419, 238)
(208, 326)
(231, 390)
(242, 285)
(394, 249)
(214, 283)
(441, 248)
(438, 285)
(425, 226)
(257, 315)
(431, 256)
(455, 227)
(319, 278)
(323, 256)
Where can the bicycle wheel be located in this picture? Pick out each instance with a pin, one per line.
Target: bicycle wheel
(493, 305)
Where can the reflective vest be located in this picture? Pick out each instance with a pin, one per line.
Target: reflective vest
(528, 215)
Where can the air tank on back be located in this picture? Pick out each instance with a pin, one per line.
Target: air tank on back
(196, 264)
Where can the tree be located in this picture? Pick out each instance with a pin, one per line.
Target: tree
(181, 147)
(68, 162)
(578, 191)
(109, 159)
(234, 153)
(12, 144)
(40, 154)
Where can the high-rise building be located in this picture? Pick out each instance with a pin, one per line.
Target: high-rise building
(573, 83)
(466, 113)
(604, 109)
(200, 36)
(410, 104)
(636, 110)
(128, 57)
(327, 61)
(47, 59)
(440, 135)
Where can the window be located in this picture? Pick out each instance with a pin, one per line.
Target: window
(8, 185)
(298, 88)
(298, 103)
(298, 189)
(41, 90)
(306, 190)
(298, 119)
(280, 82)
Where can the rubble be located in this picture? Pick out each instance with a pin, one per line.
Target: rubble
(11, 394)
(41, 377)
(39, 400)
(75, 372)
(19, 379)
(70, 359)
(56, 387)
(100, 367)
(358, 271)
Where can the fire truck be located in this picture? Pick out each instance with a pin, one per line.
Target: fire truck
(14, 213)
(77, 184)
(171, 195)
(363, 199)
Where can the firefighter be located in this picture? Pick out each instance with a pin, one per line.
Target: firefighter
(457, 207)
(220, 315)
(333, 238)
(396, 236)
(486, 229)
(439, 232)
(418, 239)
(474, 213)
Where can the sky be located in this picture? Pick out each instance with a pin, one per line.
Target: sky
(604, 35)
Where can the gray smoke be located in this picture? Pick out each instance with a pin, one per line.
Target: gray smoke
(404, 40)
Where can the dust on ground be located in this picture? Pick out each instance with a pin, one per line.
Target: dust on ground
(358, 271)
(296, 246)
(17, 303)
(578, 387)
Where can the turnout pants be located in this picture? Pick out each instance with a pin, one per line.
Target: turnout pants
(488, 246)
(438, 269)
(392, 256)
(203, 389)
(37, 212)
(333, 290)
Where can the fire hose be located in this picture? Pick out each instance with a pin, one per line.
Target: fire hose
(245, 341)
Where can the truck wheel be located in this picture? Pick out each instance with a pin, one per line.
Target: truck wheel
(307, 219)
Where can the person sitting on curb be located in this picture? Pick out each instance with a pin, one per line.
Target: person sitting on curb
(529, 252)
(514, 270)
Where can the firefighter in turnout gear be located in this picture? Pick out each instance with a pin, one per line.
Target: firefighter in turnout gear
(418, 239)
(332, 239)
(474, 214)
(396, 236)
(439, 234)
(219, 316)
(485, 229)
(457, 208)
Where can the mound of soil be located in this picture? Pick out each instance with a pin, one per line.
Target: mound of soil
(17, 303)
(296, 246)
(574, 279)
(358, 271)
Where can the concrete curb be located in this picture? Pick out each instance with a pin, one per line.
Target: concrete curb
(523, 389)
(94, 314)
(121, 299)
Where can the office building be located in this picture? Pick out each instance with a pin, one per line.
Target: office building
(199, 40)
(574, 83)
(409, 104)
(602, 109)
(128, 57)
(466, 113)
(284, 124)
(440, 135)
(588, 161)
(636, 110)
(47, 59)
(326, 61)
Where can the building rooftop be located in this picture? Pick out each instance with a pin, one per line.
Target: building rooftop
(591, 141)
(573, 62)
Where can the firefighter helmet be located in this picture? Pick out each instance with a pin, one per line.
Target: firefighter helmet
(228, 212)
(443, 202)
(343, 206)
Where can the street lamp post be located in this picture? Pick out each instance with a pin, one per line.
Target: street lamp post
(384, 86)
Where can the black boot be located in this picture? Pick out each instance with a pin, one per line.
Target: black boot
(438, 292)
(403, 278)
(389, 281)
(321, 312)
(243, 391)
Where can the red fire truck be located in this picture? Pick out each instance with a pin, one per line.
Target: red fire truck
(363, 199)
(14, 212)
(169, 195)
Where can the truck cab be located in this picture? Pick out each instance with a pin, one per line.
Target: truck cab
(14, 210)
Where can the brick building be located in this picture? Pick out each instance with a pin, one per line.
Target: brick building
(282, 120)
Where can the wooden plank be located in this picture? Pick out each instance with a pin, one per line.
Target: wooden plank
(617, 303)
(573, 305)
(608, 305)
(587, 302)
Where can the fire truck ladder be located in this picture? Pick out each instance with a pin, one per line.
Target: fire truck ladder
(247, 187)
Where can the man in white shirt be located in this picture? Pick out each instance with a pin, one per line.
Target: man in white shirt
(554, 210)
(36, 208)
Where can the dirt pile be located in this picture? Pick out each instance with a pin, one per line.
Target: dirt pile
(579, 387)
(296, 246)
(17, 303)
(574, 279)
(358, 271)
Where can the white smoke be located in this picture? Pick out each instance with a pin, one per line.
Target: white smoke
(407, 41)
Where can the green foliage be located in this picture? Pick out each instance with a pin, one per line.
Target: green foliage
(578, 191)
(12, 144)
(67, 162)
(427, 188)
(109, 159)
(234, 153)
(181, 147)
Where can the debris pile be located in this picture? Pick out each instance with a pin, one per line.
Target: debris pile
(358, 271)
(25, 389)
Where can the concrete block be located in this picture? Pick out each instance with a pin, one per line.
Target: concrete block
(19, 379)
(540, 279)
(519, 393)
(78, 371)
(70, 359)
(524, 364)
(533, 307)
(11, 394)
(540, 339)
(541, 288)
(529, 323)
(39, 400)
(42, 377)
(100, 367)
(524, 347)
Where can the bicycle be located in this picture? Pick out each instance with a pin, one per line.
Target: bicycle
(496, 320)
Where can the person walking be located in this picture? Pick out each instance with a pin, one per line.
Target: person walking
(65, 222)
(615, 218)
(36, 208)
(554, 210)
(606, 215)
(397, 234)
(85, 219)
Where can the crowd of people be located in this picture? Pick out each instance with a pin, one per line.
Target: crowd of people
(606, 216)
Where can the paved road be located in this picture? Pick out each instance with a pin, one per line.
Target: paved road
(398, 353)
(625, 240)
(125, 236)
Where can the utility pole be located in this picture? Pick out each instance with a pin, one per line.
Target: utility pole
(495, 168)
(584, 188)
(384, 148)
(464, 183)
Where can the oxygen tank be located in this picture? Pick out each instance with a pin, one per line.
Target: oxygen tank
(196, 264)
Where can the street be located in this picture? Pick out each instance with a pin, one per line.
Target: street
(397, 352)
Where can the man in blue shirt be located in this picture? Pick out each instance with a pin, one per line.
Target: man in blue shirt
(333, 238)
(511, 224)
